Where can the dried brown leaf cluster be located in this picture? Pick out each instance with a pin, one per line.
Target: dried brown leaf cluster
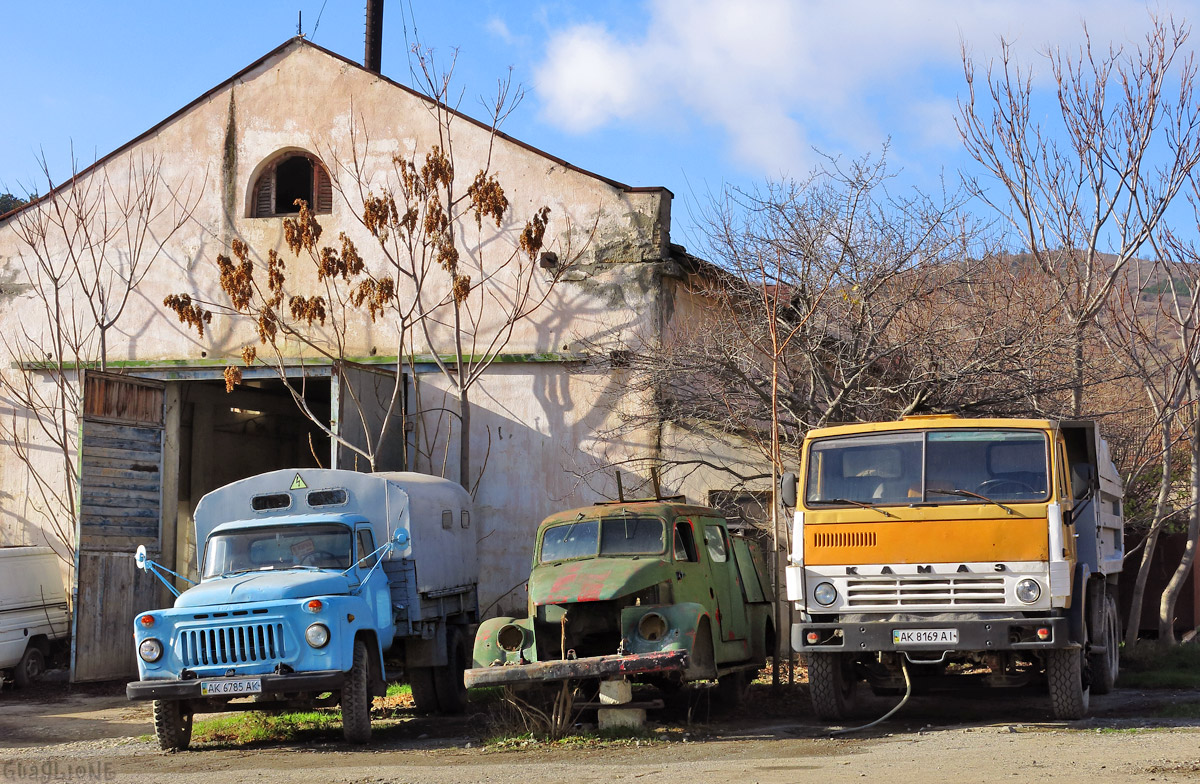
(188, 312)
(534, 233)
(488, 198)
(375, 294)
(237, 279)
(308, 309)
(302, 232)
(233, 377)
(461, 287)
(438, 170)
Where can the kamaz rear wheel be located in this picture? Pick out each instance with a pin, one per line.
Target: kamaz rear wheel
(1106, 665)
(172, 725)
(356, 697)
(1069, 694)
(832, 685)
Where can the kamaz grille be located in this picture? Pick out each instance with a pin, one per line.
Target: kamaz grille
(252, 642)
(924, 592)
(844, 539)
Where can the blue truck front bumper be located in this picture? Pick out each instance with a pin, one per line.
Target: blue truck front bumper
(272, 684)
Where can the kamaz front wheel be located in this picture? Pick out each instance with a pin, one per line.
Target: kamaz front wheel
(832, 684)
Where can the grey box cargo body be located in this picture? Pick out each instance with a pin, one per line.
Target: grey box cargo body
(435, 512)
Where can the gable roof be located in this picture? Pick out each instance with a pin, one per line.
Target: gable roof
(295, 43)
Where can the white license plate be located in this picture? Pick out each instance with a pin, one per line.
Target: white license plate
(924, 636)
(229, 688)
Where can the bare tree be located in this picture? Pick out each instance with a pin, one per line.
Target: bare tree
(831, 300)
(1180, 399)
(1148, 333)
(84, 248)
(487, 289)
(1096, 179)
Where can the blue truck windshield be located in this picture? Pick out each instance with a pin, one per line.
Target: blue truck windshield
(940, 467)
(321, 545)
(624, 535)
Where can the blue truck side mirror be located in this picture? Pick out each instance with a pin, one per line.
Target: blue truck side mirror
(139, 558)
(400, 537)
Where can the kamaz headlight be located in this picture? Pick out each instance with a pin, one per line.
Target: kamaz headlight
(150, 650)
(317, 635)
(1028, 590)
(825, 594)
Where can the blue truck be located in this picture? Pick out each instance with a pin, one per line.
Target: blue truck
(317, 587)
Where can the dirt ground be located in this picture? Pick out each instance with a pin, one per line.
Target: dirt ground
(57, 732)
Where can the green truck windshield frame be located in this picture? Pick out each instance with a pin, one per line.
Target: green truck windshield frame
(611, 536)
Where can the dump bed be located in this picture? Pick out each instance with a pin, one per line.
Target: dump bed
(1098, 517)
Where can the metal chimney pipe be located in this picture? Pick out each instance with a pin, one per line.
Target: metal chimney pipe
(373, 56)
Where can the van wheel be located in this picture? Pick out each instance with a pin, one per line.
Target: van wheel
(832, 685)
(172, 725)
(1106, 666)
(356, 697)
(31, 666)
(1069, 697)
(448, 680)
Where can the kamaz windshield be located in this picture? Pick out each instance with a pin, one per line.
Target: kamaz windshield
(320, 545)
(618, 535)
(951, 466)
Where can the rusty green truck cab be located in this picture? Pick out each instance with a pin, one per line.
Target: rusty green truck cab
(649, 590)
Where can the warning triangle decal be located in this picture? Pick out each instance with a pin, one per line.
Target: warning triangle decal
(298, 484)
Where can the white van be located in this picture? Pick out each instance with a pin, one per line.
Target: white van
(34, 622)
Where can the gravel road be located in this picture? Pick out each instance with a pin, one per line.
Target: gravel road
(93, 734)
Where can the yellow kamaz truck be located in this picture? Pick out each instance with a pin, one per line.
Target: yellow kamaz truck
(937, 550)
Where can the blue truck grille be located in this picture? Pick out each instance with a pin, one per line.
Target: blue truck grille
(240, 644)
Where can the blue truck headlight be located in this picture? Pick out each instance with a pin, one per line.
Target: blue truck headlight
(825, 594)
(1028, 590)
(317, 635)
(150, 650)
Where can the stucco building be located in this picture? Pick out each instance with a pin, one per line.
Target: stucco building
(160, 430)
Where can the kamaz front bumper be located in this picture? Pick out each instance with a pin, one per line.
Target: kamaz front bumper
(189, 689)
(601, 667)
(933, 635)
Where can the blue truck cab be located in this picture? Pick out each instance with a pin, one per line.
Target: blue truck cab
(309, 594)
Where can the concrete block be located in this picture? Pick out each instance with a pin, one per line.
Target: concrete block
(618, 718)
(616, 692)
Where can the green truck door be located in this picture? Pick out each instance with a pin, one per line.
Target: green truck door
(731, 607)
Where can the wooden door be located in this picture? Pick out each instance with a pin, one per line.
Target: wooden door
(120, 498)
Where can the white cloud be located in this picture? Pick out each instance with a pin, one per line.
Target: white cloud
(776, 76)
(588, 78)
(499, 29)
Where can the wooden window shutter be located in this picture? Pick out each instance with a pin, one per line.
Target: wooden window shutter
(322, 189)
(264, 195)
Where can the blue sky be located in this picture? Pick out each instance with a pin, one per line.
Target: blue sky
(688, 94)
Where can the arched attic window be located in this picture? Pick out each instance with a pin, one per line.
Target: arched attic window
(292, 176)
